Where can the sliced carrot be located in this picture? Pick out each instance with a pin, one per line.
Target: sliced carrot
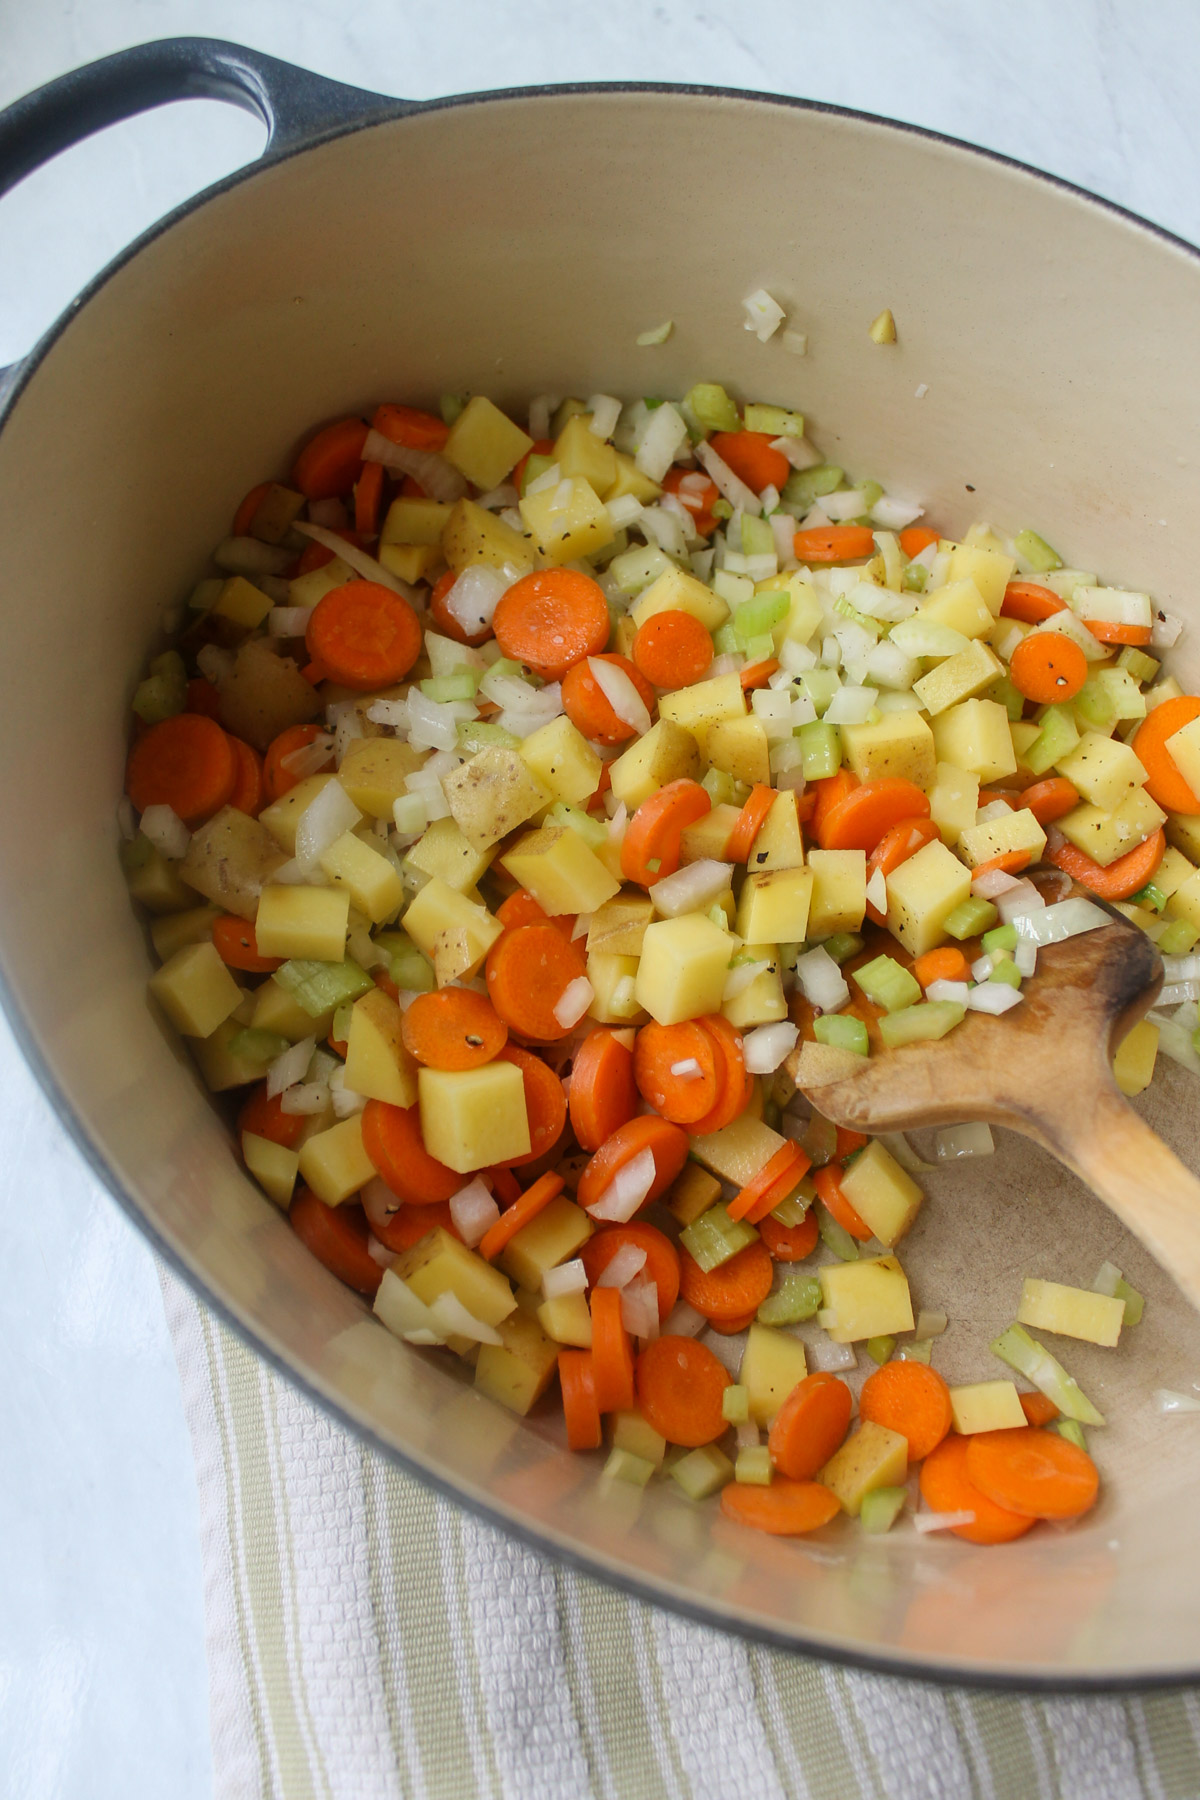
(202, 697)
(329, 464)
(534, 1200)
(392, 1139)
(522, 909)
(831, 1194)
(505, 1186)
(785, 1509)
(680, 1384)
(580, 1411)
(549, 619)
(790, 1243)
(668, 1143)
(895, 847)
(810, 1425)
(453, 1028)
(1122, 878)
(737, 1086)
(314, 556)
(915, 538)
(364, 635)
(266, 1118)
(612, 1353)
(834, 544)
(588, 706)
(757, 674)
(243, 518)
(698, 493)
(828, 795)
(1009, 862)
(400, 1227)
(337, 1237)
(368, 493)
(445, 620)
(946, 964)
(1164, 783)
(846, 1142)
(672, 649)
(763, 1192)
(734, 1288)
(946, 1487)
(409, 426)
(750, 456)
(603, 1094)
(1050, 800)
(650, 850)
(865, 815)
(733, 1327)
(1032, 1472)
(247, 793)
(1107, 631)
(545, 1103)
(315, 672)
(911, 1398)
(662, 1258)
(1046, 666)
(277, 779)
(237, 947)
(658, 1051)
(1038, 1408)
(1027, 601)
(528, 971)
(187, 763)
(750, 822)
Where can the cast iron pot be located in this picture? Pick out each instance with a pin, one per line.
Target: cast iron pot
(1047, 373)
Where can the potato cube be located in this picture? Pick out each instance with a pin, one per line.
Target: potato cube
(805, 611)
(681, 974)
(960, 606)
(567, 521)
(901, 744)
(614, 986)
(763, 1002)
(666, 753)
(872, 1457)
(371, 879)
(1183, 830)
(491, 794)
(1183, 747)
(175, 930)
(959, 678)
(229, 859)
(306, 590)
(439, 1264)
(276, 1010)
(741, 748)
(772, 1363)
(374, 772)
(242, 602)
(990, 570)
(560, 871)
(708, 839)
(578, 451)
(220, 1067)
(691, 1193)
(922, 893)
(865, 1299)
(779, 844)
(377, 1064)
(986, 1406)
(1102, 769)
(453, 931)
(630, 480)
(630, 1432)
(975, 736)
(1133, 1064)
(263, 694)
(839, 891)
(1071, 1312)
(1106, 835)
(334, 1164)
(562, 762)
(272, 1165)
(196, 990)
(1025, 733)
(677, 591)
(474, 1118)
(558, 1233)
(153, 882)
(618, 927)
(704, 704)
(411, 562)
(304, 922)
(474, 536)
(282, 816)
(444, 851)
(774, 907)
(884, 1195)
(953, 801)
(518, 1371)
(484, 444)
(737, 1152)
(567, 1319)
(1169, 877)
(412, 521)
(997, 837)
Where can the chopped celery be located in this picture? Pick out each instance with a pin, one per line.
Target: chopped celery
(1031, 1359)
(339, 1031)
(969, 918)
(757, 537)
(623, 1465)
(805, 486)
(920, 1024)
(776, 420)
(1002, 937)
(880, 1348)
(726, 641)
(164, 691)
(461, 684)
(703, 1472)
(886, 984)
(1056, 738)
(757, 649)
(735, 1404)
(820, 1140)
(1135, 1305)
(721, 509)
(796, 1299)
(819, 685)
(915, 581)
(1005, 692)
(820, 747)
(753, 1466)
(1143, 668)
(711, 406)
(451, 405)
(1178, 938)
(714, 1237)
(1037, 552)
(915, 1352)
(407, 966)
(834, 1236)
(843, 1031)
(1006, 971)
(763, 613)
(319, 986)
(843, 607)
(594, 832)
(871, 491)
(793, 1208)
(1149, 896)
(881, 1508)
(654, 864)
(1095, 703)
(720, 787)
(1072, 1430)
(843, 944)
(483, 734)
(257, 1046)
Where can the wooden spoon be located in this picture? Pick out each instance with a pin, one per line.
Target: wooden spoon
(1043, 1069)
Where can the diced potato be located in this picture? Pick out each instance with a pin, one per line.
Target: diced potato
(865, 1299)
(275, 1010)
(986, 1406)
(491, 794)
(484, 444)
(741, 748)
(774, 907)
(632, 1433)
(219, 1066)
(738, 1151)
(196, 990)
(306, 590)
(413, 521)
(1183, 830)
(411, 562)
(1102, 769)
(884, 1195)
(922, 893)
(444, 851)
(567, 521)
(453, 931)
(1169, 877)
(839, 891)
(1071, 1312)
(1183, 747)
(763, 1002)
(276, 513)
(614, 986)
(779, 844)
(691, 1193)
(518, 1371)
(704, 704)
(872, 1457)
(272, 1165)
(283, 815)
(960, 606)
(558, 1233)
(666, 753)
(959, 678)
(630, 480)
(708, 839)
(474, 1118)
(772, 1363)
(303, 922)
(175, 930)
(473, 535)
(578, 451)
(901, 744)
(562, 762)
(1024, 732)
(439, 1264)
(374, 772)
(618, 927)
(377, 1064)
(681, 974)
(953, 801)
(567, 1320)
(243, 603)
(263, 694)
(229, 859)
(975, 736)
(371, 879)
(990, 570)
(677, 591)
(1133, 1064)
(153, 882)
(1166, 689)
(804, 614)
(1015, 831)
(334, 1164)
(1106, 835)
(560, 871)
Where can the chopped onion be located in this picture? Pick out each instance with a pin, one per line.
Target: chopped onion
(452, 1319)
(851, 706)
(734, 489)
(748, 1436)
(627, 1189)
(349, 730)
(288, 621)
(798, 450)
(764, 315)
(893, 514)
(993, 997)
(605, 412)
(963, 1140)
(942, 1521)
(877, 895)
(821, 981)
(995, 809)
(331, 513)
(687, 1070)
(309, 757)
(684, 1321)
(930, 1325)
(541, 409)
(327, 817)
(474, 1211)
(664, 436)
(1173, 993)
(954, 991)
(628, 1261)
(250, 556)
(925, 637)
(765, 1047)
(618, 824)
(359, 561)
(1164, 632)
(694, 888)
(639, 1308)
(166, 831)
(390, 712)
(848, 503)
(305, 1099)
(1023, 902)
(620, 693)
(1066, 919)
(898, 1145)
(379, 1253)
(574, 1001)
(827, 1356)
(433, 724)
(440, 479)
(565, 1278)
(497, 497)
(625, 510)
(994, 882)
(581, 927)
(981, 968)
(1025, 957)
(428, 788)
(1166, 1400)
(397, 1307)
(740, 977)
(1107, 1280)
(783, 528)
(291, 1067)
(1181, 968)
(346, 1101)
(473, 599)
(214, 663)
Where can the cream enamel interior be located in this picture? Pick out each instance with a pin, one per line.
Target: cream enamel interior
(518, 245)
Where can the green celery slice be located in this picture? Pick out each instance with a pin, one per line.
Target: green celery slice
(820, 747)
(703, 1472)
(1037, 552)
(797, 1298)
(258, 1046)
(834, 1236)
(969, 918)
(714, 1237)
(887, 984)
(735, 1404)
(318, 987)
(920, 1024)
(881, 1508)
(408, 967)
(711, 406)
(1031, 1359)
(753, 1467)
(844, 1031)
(843, 944)
(880, 1348)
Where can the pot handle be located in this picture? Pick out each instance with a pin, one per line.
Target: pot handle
(295, 105)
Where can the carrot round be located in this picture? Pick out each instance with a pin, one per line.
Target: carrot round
(453, 1028)
(810, 1425)
(947, 1487)
(549, 619)
(409, 426)
(236, 945)
(662, 1258)
(1050, 800)
(580, 1411)
(834, 544)
(733, 1327)
(895, 847)
(545, 1103)
(750, 456)
(522, 909)
(445, 620)
(391, 1137)
(247, 793)
(911, 1398)
(828, 1184)
(698, 493)
(868, 812)
(734, 1288)
(1039, 1409)
(750, 822)
(945, 964)
(187, 763)
(668, 1143)
(612, 1353)
(915, 538)
(243, 518)
(672, 649)
(404, 1225)
(588, 706)
(528, 971)
(330, 462)
(790, 1243)
(679, 1389)
(736, 1085)
(1164, 783)
(337, 1237)
(364, 635)
(773, 1182)
(534, 1200)
(651, 847)
(846, 1142)
(1032, 1472)
(828, 794)
(1027, 601)
(1047, 666)
(1108, 631)
(785, 1509)
(267, 1119)
(603, 1094)
(1120, 879)
(757, 674)
(659, 1051)
(278, 780)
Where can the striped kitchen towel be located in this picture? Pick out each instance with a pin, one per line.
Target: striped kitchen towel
(369, 1641)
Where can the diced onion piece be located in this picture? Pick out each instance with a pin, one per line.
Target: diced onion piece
(993, 997)
(639, 1307)
(379, 1253)
(397, 1307)
(433, 724)
(331, 512)
(734, 489)
(929, 1325)
(687, 1070)
(799, 452)
(981, 968)
(1107, 1280)
(992, 883)
(954, 1141)
(821, 981)
(740, 977)
(905, 1155)
(1066, 919)
(288, 621)
(1173, 993)
(822, 1353)
(574, 1001)
(566, 1278)
(1025, 957)
(497, 497)
(877, 891)
(250, 556)
(620, 693)
(764, 315)
(440, 479)
(694, 888)
(665, 435)
(684, 1321)
(291, 1067)
(452, 1319)
(627, 1189)
(748, 1436)
(428, 787)
(359, 561)
(166, 831)
(942, 1521)
(925, 637)
(328, 815)
(474, 1211)
(1112, 606)
(214, 663)
(473, 599)
(955, 991)
(628, 1261)
(582, 925)
(345, 1101)
(605, 412)
(390, 712)
(765, 1047)
(623, 511)
(1024, 901)
(305, 1099)
(1165, 632)
(893, 514)
(848, 503)
(657, 334)
(309, 757)
(1167, 1400)
(541, 409)
(851, 706)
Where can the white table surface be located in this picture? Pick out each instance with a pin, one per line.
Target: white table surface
(102, 1676)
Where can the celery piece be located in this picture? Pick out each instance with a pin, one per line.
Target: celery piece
(594, 832)
(819, 686)
(726, 641)
(1149, 896)
(1001, 937)
(834, 1236)
(163, 694)
(1005, 970)
(339, 1031)
(1031, 1359)
(654, 864)
(1178, 938)
(804, 487)
(886, 984)
(774, 419)
(1143, 668)
(257, 1046)
(451, 405)
(407, 966)
(843, 944)
(712, 407)
(864, 621)
(755, 617)
(204, 595)
(881, 1508)
(757, 649)
(753, 1466)
(1135, 1304)
(1056, 739)
(820, 749)
(535, 465)
(320, 986)
(1006, 694)
(461, 684)
(719, 786)
(793, 1208)
(880, 1348)
(871, 491)
(844, 1031)
(703, 1472)
(483, 734)
(757, 537)
(969, 918)
(721, 509)
(1036, 552)
(915, 1352)
(796, 1298)
(920, 1024)
(623, 1465)
(1094, 703)
(735, 1404)
(1072, 1430)
(820, 1140)
(714, 1237)
(504, 665)
(916, 580)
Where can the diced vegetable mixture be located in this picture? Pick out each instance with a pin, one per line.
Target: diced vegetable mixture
(518, 809)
